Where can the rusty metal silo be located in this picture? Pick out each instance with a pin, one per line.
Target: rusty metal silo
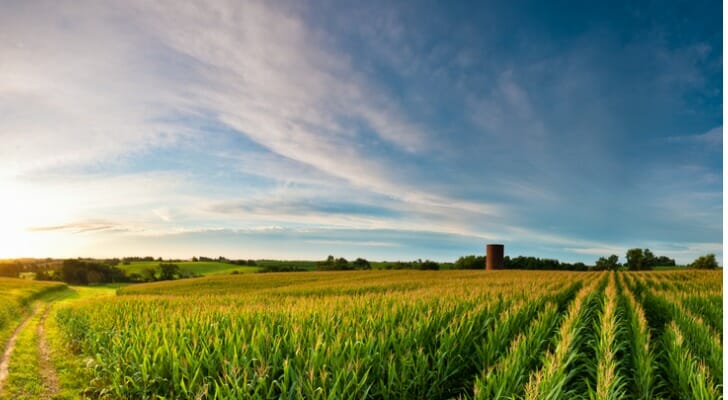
(494, 256)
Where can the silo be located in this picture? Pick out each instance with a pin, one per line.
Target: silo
(494, 256)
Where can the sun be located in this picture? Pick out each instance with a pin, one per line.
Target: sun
(22, 210)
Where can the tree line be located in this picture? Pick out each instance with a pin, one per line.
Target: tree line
(342, 264)
(643, 259)
(94, 272)
(519, 262)
(636, 260)
(90, 271)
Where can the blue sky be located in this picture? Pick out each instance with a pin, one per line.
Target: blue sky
(362, 129)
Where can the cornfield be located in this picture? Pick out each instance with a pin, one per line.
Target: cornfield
(407, 335)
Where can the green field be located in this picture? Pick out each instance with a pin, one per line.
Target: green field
(374, 334)
(15, 296)
(196, 267)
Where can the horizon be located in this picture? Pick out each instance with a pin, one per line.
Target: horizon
(416, 130)
(208, 258)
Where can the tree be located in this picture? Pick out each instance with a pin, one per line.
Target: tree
(579, 266)
(43, 276)
(168, 271)
(704, 262)
(664, 261)
(470, 262)
(607, 264)
(149, 274)
(334, 264)
(636, 260)
(361, 263)
(429, 265)
(649, 259)
(79, 272)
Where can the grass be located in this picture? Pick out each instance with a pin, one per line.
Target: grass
(25, 378)
(73, 373)
(15, 295)
(24, 381)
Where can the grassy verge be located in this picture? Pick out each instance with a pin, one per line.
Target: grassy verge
(24, 380)
(73, 375)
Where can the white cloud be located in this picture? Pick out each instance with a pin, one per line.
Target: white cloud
(712, 139)
(92, 83)
(76, 87)
(364, 243)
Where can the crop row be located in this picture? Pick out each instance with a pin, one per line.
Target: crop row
(399, 335)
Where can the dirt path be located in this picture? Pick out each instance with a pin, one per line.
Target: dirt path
(5, 360)
(47, 370)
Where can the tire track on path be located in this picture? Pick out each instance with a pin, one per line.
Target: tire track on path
(5, 360)
(45, 364)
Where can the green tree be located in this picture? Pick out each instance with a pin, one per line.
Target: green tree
(637, 259)
(361, 263)
(610, 263)
(149, 274)
(341, 264)
(664, 261)
(704, 262)
(470, 262)
(429, 265)
(168, 271)
(649, 259)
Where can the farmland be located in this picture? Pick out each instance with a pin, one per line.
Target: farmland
(406, 334)
(197, 268)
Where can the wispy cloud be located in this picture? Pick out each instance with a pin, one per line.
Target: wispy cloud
(82, 227)
(354, 243)
(201, 119)
(712, 139)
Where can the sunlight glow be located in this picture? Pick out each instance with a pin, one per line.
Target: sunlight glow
(24, 208)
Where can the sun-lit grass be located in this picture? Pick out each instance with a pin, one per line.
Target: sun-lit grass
(24, 381)
(15, 295)
(197, 268)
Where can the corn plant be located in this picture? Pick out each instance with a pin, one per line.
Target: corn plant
(609, 384)
(688, 378)
(507, 378)
(400, 335)
(551, 380)
(641, 355)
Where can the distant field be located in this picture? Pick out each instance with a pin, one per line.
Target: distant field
(302, 265)
(199, 267)
(668, 268)
(408, 335)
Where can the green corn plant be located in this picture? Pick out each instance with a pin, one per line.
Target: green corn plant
(507, 379)
(702, 306)
(385, 335)
(609, 384)
(642, 357)
(550, 381)
(687, 378)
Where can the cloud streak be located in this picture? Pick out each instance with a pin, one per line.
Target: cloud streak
(203, 118)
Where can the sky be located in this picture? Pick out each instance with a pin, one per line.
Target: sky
(383, 130)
